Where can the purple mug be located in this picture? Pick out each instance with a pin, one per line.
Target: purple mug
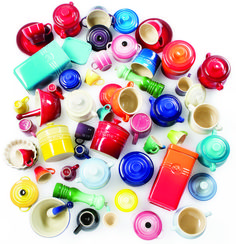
(141, 125)
(83, 133)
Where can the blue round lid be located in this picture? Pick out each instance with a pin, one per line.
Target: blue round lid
(136, 168)
(126, 21)
(167, 107)
(202, 186)
(70, 79)
(94, 173)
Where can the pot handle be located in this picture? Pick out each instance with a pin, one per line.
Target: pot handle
(213, 167)
(108, 45)
(219, 86)
(130, 84)
(81, 22)
(78, 229)
(78, 180)
(207, 214)
(24, 209)
(191, 108)
(218, 127)
(180, 120)
(152, 100)
(208, 55)
(113, 19)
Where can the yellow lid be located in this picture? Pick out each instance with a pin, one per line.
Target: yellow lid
(49, 126)
(126, 200)
(24, 193)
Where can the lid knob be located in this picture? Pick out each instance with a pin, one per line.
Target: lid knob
(22, 192)
(65, 11)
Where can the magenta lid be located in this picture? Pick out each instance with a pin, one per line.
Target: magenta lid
(147, 225)
(66, 15)
(124, 46)
(141, 122)
(216, 68)
(179, 55)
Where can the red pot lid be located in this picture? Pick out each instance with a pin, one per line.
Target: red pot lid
(66, 15)
(216, 68)
(179, 55)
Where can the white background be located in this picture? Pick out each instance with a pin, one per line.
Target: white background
(209, 26)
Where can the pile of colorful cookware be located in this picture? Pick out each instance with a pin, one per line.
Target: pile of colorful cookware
(138, 51)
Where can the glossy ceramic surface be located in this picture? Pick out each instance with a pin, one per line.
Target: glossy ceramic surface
(152, 145)
(43, 175)
(106, 93)
(70, 79)
(166, 110)
(68, 173)
(136, 168)
(154, 34)
(83, 133)
(101, 61)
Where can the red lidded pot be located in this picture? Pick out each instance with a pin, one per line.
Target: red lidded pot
(177, 59)
(66, 19)
(213, 72)
(109, 138)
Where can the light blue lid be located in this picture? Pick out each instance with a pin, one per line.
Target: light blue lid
(202, 186)
(126, 21)
(94, 173)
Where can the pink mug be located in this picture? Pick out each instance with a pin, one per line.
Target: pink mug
(27, 127)
(37, 32)
(101, 60)
(140, 125)
(26, 156)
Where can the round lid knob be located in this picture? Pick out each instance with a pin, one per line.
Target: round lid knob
(24, 193)
(167, 107)
(94, 173)
(179, 55)
(124, 46)
(66, 15)
(215, 148)
(216, 68)
(70, 79)
(147, 225)
(202, 186)
(99, 36)
(126, 200)
(126, 21)
(136, 168)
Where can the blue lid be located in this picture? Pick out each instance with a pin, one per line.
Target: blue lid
(136, 168)
(168, 107)
(126, 21)
(202, 186)
(70, 79)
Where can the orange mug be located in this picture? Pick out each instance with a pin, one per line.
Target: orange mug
(43, 175)
(125, 102)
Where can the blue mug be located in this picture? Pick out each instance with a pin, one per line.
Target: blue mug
(165, 110)
(81, 152)
(146, 63)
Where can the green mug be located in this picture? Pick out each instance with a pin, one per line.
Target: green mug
(152, 145)
(177, 137)
(105, 113)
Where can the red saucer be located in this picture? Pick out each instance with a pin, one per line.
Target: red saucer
(26, 46)
(107, 92)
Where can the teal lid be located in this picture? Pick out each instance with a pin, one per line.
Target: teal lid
(94, 173)
(126, 21)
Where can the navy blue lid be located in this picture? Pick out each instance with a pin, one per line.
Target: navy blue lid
(202, 186)
(126, 21)
(168, 107)
(136, 168)
(70, 79)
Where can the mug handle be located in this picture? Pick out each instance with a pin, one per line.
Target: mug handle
(79, 141)
(29, 164)
(135, 139)
(50, 28)
(155, 151)
(78, 229)
(81, 22)
(126, 118)
(51, 170)
(107, 107)
(94, 67)
(100, 82)
(25, 99)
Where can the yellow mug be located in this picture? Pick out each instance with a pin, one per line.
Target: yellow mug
(21, 107)
(92, 78)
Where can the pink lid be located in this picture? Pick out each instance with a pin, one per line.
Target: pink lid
(66, 15)
(141, 122)
(178, 55)
(147, 225)
(216, 68)
(124, 47)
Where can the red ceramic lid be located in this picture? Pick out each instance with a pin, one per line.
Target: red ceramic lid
(66, 15)
(26, 46)
(179, 55)
(107, 92)
(216, 68)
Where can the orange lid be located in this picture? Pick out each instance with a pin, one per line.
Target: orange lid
(179, 55)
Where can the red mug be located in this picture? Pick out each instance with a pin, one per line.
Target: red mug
(37, 32)
(27, 156)
(42, 175)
